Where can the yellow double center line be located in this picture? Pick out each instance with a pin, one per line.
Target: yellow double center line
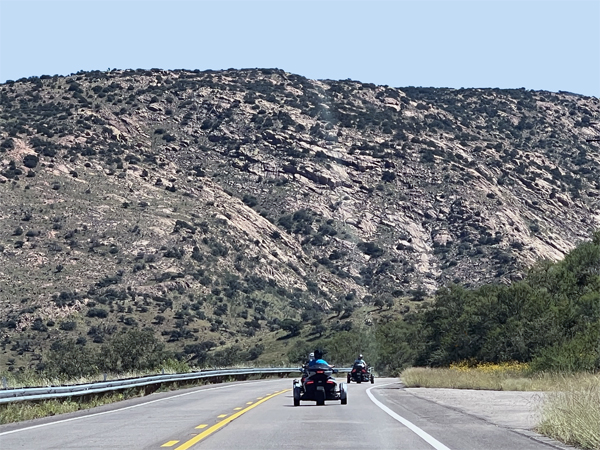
(224, 422)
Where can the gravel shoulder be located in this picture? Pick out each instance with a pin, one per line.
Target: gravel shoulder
(515, 410)
(511, 409)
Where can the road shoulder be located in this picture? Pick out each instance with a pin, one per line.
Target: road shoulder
(515, 410)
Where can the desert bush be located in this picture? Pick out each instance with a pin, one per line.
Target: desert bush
(30, 161)
(228, 357)
(97, 312)
(133, 350)
(7, 144)
(388, 177)
(39, 325)
(370, 248)
(65, 298)
(250, 200)
(68, 325)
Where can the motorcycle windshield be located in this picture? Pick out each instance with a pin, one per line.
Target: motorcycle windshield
(322, 368)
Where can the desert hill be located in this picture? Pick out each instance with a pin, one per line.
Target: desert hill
(227, 206)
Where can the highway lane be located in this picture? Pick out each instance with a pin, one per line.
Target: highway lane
(141, 424)
(361, 423)
(280, 425)
(205, 418)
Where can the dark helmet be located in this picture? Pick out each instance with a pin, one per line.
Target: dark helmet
(318, 354)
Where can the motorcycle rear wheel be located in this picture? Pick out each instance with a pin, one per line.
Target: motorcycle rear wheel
(320, 397)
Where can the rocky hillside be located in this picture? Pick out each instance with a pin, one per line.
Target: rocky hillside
(214, 205)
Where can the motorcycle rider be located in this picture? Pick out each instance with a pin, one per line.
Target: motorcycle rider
(311, 357)
(359, 369)
(318, 360)
(360, 361)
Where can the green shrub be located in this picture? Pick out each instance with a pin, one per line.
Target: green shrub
(70, 360)
(68, 325)
(133, 350)
(30, 161)
(370, 248)
(250, 200)
(388, 177)
(97, 312)
(293, 327)
(581, 353)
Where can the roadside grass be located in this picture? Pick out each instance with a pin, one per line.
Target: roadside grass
(13, 380)
(570, 411)
(499, 377)
(17, 412)
(572, 414)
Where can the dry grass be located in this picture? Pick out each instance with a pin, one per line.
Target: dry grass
(17, 412)
(33, 379)
(570, 413)
(498, 377)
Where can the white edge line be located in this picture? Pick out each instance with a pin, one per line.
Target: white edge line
(411, 426)
(126, 407)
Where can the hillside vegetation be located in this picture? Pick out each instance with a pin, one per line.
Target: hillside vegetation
(246, 215)
(550, 320)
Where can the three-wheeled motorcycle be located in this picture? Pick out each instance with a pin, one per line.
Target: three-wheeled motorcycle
(319, 385)
(360, 373)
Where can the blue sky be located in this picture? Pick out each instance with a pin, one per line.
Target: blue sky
(537, 44)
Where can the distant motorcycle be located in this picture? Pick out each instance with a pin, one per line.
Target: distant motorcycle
(360, 373)
(319, 386)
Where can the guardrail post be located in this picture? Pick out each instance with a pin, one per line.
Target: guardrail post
(5, 382)
(104, 376)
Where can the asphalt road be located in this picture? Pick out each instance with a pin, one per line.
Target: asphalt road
(260, 415)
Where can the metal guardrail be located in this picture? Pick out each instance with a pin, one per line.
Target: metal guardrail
(52, 392)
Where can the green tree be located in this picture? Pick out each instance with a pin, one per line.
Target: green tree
(293, 327)
(70, 360)
(132, 350)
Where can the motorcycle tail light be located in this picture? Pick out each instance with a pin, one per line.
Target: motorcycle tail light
(320, 371)
(330, 382)
(309, 382)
